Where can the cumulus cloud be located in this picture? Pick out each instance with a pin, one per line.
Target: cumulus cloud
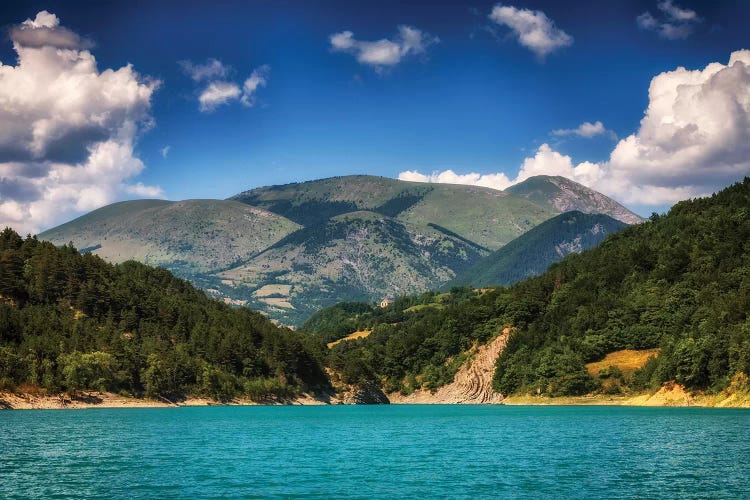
(45, 31)
(495, 181)
(383, 53)
(586, 130)
(217, 91)
(533, 29)
(674, 22)
(693, 140)
(67, 130)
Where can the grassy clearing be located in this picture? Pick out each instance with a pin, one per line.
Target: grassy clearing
(627, 360)
(352, 336)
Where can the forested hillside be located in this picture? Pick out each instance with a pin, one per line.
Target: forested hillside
(534, 251)
(679, 283)
(70, 321)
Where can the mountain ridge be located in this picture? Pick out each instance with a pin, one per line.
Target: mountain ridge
(287, 249)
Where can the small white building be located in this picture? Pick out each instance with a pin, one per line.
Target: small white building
(385, 302)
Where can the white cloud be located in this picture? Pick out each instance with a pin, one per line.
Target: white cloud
(383, 53)
(675, 23)
(586, 130)
(217, 91)
(67, 130)
(256, 80)
(533, 29)
(165, 151)
(45, 31)
(495, 181)
(693, 140)
(212, 69)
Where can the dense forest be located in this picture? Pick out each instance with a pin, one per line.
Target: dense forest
(679, 282)
(71, 322)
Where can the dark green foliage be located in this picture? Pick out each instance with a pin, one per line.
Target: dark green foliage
(534, 251)
(680, 282)
(337, 321)
(70, 321)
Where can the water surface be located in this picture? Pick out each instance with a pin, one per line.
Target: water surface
(376, 451)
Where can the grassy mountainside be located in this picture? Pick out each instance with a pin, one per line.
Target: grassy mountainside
(192, 236)
(357, 256)
(563, 195)
(288, 250)
(71, 321)
(534, 251)
(678, 283)
(484, 216)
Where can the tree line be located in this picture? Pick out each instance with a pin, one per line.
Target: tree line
(71, 322)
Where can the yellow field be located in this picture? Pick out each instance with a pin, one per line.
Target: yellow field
(352, 336)
(627, 361)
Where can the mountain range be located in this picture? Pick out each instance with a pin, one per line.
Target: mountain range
(289, 250)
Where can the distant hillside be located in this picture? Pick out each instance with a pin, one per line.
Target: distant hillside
(484, 216)
(676, 285)
(192, 236)
(534, 251)
(563, 195)
(355, 256)
(288, 250)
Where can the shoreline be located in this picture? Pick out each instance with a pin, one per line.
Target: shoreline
(668, 396)
(87, 400)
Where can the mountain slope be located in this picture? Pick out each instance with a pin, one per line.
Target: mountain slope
(534, 251)
(188, 237)
(484, 216)
(355, 256)
(677, 284)
(563, 195)
(287, 250)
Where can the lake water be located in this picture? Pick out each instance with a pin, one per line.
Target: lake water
(376, 451)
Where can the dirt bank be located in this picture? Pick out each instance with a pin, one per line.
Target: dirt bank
(472, 383)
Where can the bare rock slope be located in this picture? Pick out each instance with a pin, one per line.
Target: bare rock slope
(472, 384)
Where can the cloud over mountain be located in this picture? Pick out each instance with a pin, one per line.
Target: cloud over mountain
(67, 130)
(693, 139)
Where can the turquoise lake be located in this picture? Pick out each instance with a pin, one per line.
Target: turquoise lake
(376, 451)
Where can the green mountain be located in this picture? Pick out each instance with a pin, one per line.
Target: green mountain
(289, 250)
(190, 237)
(71, 321)
(358, 256)
(563, 195)
(484, 216)
(534, 251)
(677, 285)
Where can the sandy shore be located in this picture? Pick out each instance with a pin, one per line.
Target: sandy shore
(669, 395)
(10, 401)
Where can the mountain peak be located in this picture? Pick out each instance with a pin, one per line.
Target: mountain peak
(562, 194)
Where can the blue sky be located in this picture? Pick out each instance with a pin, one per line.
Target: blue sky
(476, 101)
